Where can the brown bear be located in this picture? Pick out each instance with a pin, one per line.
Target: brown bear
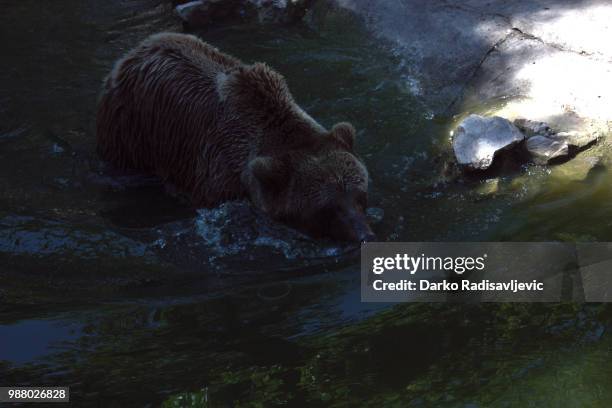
(222, 130)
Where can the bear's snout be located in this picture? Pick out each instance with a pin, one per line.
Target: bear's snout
(353, 226)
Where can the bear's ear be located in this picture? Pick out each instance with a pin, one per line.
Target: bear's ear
(345, 133)
(271, 172)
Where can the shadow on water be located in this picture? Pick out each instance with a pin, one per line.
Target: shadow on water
(113, 285)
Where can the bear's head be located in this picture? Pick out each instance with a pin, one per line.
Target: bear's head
(322, 191)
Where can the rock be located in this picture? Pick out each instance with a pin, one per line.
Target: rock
(197, 14)
(477, 139)
(543, 149)
(532, 127)
(570, 121)
(576, 138)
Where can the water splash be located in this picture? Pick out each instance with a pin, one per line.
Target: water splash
(236, 227)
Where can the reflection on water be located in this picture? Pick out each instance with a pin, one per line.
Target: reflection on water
(39, 238)
(223, 299)
(31, 339)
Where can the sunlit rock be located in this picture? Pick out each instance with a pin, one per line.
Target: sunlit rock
(563, 134)
(543, 149)
(478, 139)
(545, 143)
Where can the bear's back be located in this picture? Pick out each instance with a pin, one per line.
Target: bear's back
(160, 110)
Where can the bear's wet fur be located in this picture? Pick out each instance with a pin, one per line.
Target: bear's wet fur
(222, 130)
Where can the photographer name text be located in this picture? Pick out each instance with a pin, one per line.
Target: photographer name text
(464, 285)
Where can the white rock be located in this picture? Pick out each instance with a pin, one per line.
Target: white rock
(477, 139)
(544, 149)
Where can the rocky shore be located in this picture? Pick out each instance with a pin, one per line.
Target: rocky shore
(199, 13)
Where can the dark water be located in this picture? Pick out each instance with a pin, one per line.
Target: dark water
(112, 285)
